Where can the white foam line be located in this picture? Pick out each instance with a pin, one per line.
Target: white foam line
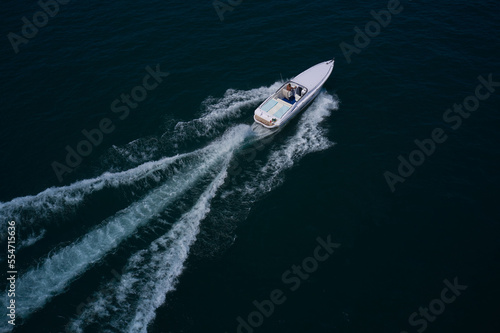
(53, 275)
(150, 274)
(138, 151)
(55, 199)
(150, 280)
(32, 239)
(230, 105)
(26, 242)
(309, 138)
(168, 256)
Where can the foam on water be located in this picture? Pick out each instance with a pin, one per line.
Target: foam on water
(150, 274)
(32, 239)
(135, 152)
(229, 106)
(266, 174)
(219, 113)
(310, 137)
(57, 199)
(52, 276)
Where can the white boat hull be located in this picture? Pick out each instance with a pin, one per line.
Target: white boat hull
(278, 109)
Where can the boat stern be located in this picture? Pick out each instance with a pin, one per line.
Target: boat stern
(263, 118)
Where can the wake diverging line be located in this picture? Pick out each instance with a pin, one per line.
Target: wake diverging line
(29, 211)
(169, 254)
(150, 273)
(56, 199)
(53, 275)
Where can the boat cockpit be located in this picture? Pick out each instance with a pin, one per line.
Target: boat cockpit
(282, 101)
(291, 92)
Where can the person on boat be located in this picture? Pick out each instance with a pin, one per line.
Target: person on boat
(291, 91)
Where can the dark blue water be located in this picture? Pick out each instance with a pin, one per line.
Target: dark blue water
(174, 217)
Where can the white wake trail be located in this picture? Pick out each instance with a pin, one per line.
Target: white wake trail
(229, 106)
(56, 199)
(39, 208)
(308, 138)
(55, 273)
(218, 114)
(151, 273)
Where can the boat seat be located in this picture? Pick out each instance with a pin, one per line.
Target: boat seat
(287, 94)
(269, 105)
(281, 111)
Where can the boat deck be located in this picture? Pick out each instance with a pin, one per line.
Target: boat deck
(276, 107)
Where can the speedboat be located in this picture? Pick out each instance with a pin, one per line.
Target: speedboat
(294, 96)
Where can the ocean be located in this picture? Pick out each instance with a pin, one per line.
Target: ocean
(136, 198)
